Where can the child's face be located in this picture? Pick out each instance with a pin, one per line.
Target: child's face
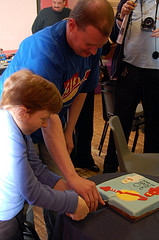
(32, 122)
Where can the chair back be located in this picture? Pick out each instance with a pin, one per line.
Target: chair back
(120, 141)
(108, 88)
(108, 98)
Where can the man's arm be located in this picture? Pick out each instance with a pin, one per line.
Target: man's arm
(74, 112)
(55, 141)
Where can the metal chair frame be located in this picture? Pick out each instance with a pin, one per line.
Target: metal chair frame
(108, 88)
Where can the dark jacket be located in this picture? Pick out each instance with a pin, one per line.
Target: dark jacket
(117, 63)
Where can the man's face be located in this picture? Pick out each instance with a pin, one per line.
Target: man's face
(58, 5)
(86, 42)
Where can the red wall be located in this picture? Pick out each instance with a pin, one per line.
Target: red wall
(48, 3)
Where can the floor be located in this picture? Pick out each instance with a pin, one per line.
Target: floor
(98, 128)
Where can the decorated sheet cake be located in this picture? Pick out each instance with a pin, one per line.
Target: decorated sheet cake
(132, 195)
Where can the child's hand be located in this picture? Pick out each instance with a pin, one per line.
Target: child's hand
(81, 211)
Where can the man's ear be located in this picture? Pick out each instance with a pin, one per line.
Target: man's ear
(20, 113)
(72, 24)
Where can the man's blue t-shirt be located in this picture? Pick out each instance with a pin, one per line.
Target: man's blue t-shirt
(48, 54)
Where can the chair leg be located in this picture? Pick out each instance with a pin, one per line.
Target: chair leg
(103, 137)
(135, 139)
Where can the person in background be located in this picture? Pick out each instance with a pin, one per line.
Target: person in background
(135, 63)
(81, 154)
(67, 54)
(50, 15)
(28, 101)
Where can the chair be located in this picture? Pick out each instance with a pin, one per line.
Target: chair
(108, 101)
(108, 88)
(142, 163)
(29, 231)
(138, 122)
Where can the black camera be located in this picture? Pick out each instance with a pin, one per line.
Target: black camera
(148, 24)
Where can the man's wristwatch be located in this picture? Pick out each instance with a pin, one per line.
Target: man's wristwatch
(119, 18)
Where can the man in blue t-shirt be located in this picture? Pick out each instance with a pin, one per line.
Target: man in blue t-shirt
(67, 54)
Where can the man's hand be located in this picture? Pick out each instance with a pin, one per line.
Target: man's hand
(87, 189)
(81, 211)
(127, 7)
(155, 33)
